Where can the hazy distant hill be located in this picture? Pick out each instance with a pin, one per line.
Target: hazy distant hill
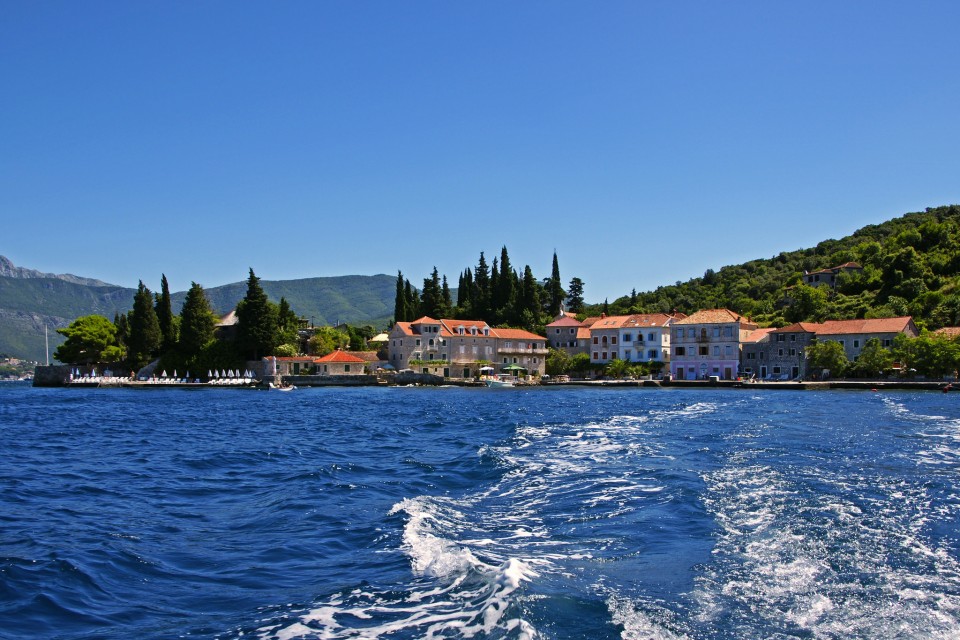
(29, 300)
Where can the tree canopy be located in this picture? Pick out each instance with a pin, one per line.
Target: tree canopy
(90, 340)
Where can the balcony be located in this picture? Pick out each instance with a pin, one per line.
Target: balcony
(535, 350)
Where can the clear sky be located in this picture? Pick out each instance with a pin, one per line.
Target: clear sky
(643, 141)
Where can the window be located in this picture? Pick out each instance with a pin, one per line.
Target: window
(776, 371)
(652, 354)
(856, 344)
(680, 351)
(886, 342)
(346, 368)
(626, 354)
(716, 350)
(728, 332)
(842, 343)
(751, 356)
(596, 340)
(793, 351)
(651, 337)
(793, 337)
(573, 330)
(728, 351)
(691, 333)
(604, 355)
(558, 331)
(780, 337)
(780, 352)
(613, 340)
(596, 356)
(716, 332)
(704, 351)
(418, 342)
(628, 337)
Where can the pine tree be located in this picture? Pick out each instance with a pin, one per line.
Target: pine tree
(145, 337)
(555, 289)
(164, 309)
(575, 296)
(197, 322)
(256, 321)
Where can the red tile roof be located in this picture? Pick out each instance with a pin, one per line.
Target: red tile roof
(566, 321)
(799, 327)
(425, 320)
(340, 357)
(866, 325)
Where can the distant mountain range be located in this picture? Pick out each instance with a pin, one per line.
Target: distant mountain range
(31, 300)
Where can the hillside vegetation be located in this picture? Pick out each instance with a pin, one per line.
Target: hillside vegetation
(911, 266)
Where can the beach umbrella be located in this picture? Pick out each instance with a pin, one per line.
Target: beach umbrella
(187, 376)
(164, 374)
(223, 373)
(209, 375)
(174, 373)
(216, 374)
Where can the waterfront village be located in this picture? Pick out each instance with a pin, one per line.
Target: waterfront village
(708, 346)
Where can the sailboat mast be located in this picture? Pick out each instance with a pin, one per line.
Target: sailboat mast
(46, 344)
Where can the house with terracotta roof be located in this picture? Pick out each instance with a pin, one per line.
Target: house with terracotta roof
(340, 363)
(949, 332)
(566, 334)
(778, 354)
(829, 276)
(853, 334)
(707, 344)
(459, 348)
(639, 337)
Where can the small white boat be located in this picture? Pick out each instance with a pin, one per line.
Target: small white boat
(500, 382)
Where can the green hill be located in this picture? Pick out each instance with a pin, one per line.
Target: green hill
(911, 266)
(28, 303)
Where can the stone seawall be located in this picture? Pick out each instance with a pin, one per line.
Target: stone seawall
(332, 381)
(54, 375)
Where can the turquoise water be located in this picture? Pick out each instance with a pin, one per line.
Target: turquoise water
(455, 513)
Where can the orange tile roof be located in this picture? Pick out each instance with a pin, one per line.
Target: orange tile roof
(713, 316)
(951, 332)
(516, 334)
(340, 357)
(757, 335)
(583, 333)
(425, 320)
(865, 325)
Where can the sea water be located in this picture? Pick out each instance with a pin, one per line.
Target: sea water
(476, 513)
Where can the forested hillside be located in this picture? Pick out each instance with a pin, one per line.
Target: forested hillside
(911, 266)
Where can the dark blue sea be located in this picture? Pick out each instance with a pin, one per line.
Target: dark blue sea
(476, 513)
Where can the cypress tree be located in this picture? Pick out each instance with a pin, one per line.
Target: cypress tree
(400, 301)
(494, 309)
(431, 298)
(508, 280)
(144, 340)
(446, 300)
(256, 321)
(197, 322)
(164, 309)
(480, 301)
(529, 307)
(555, 291)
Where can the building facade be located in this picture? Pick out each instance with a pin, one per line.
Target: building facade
(460, 348)
(707, 344)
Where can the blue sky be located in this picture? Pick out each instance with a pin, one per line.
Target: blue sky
(643, 141)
